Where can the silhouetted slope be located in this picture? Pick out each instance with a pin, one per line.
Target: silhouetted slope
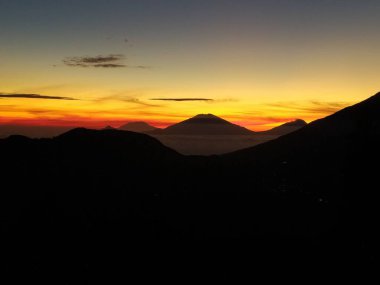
(286, 128)
(333, 158)
(204, 124)
(322, 148)
(353, 123)
(139, 127)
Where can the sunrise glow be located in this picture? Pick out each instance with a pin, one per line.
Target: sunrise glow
(255, 63)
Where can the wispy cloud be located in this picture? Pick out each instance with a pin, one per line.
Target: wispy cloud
(126, 99)
(140, 66)
(310, 106)
(271, 114)
(101, 61)
(137, 101)
(34, 96)
(182, 99)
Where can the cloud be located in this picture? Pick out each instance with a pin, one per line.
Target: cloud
(140, 66)
(127, 99)
(182, 99)
(271, 114)
(101, 61)
(311, 106)
(34, 96)
(105, 61)
(137, 101)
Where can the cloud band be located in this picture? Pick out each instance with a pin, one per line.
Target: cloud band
(35, 96)
(182, 99)
(102, 61)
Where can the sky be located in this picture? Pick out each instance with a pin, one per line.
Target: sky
(257, 63)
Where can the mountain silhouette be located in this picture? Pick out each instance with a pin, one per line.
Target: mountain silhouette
(352, 123)
(286, 128)
(108, 128)
(139, 127)
(310, 195)
(204, 124)
(112, 142)
(331, 157)
(206, 134)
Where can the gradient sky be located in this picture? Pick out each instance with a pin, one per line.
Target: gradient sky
(258, 62)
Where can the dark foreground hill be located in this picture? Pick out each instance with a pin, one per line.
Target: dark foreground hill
(93, 199)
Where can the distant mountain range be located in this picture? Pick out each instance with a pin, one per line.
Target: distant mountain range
(209, 125)
(207, 134)
(308, 195)
(203, 134)
(202, 124)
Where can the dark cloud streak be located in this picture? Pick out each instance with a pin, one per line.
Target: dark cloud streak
(107, 61)
(96, 65)
(100, 61)
(182, 99)
(127, 99)
(311, 106)
(35, 96)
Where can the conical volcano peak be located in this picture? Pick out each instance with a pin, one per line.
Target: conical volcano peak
(206, 124)
(206, 119)
(206, 116)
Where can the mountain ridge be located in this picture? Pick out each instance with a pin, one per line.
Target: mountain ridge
(138, 126)
(286, 128)
(205, 124)
(313, 189)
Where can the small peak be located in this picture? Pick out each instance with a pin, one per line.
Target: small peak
(108, 128)
(137, 126)
(298, 122)
(206, 116)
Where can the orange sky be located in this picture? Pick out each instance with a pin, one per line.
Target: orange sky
(255, 63)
